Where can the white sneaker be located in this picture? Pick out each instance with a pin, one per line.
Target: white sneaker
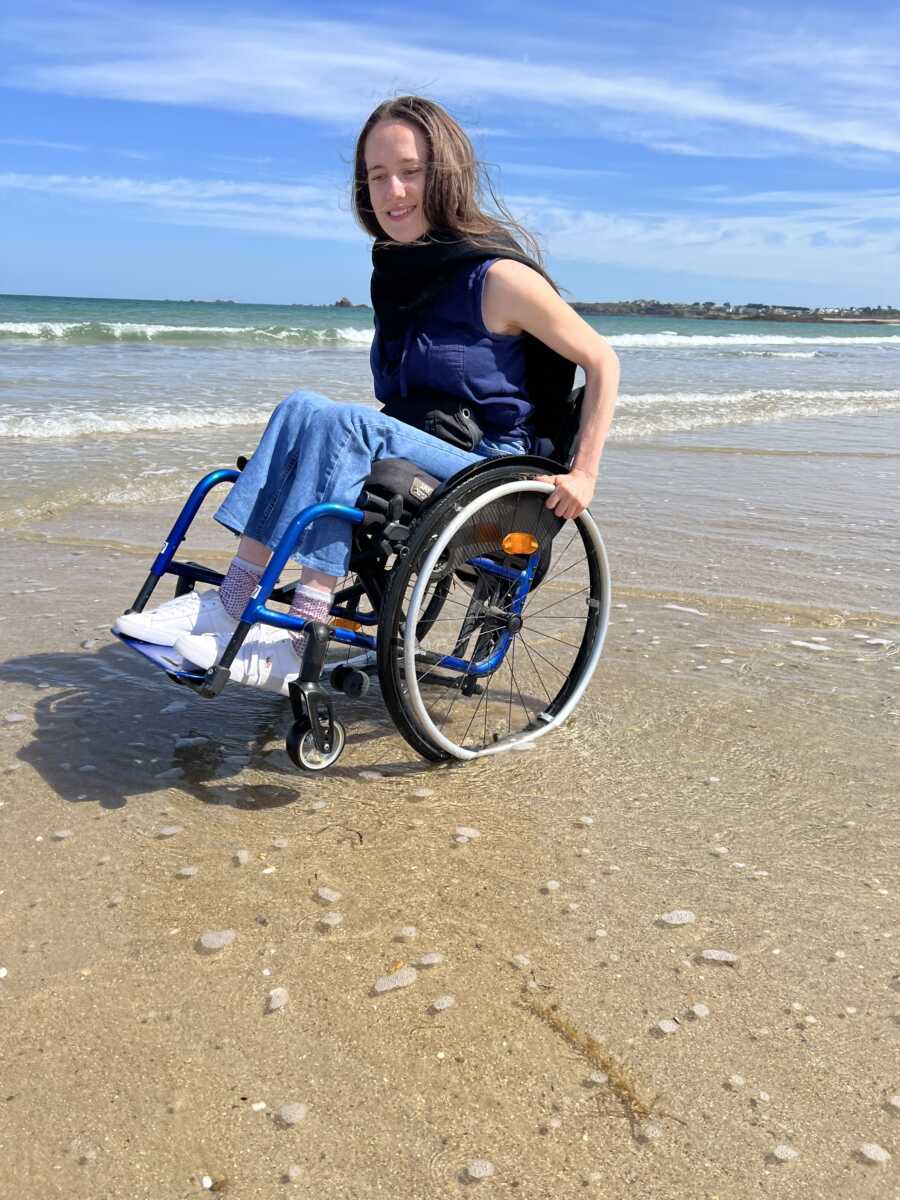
(194, 612)
(266, 659)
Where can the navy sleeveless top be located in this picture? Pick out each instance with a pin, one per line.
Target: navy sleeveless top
(448, 351)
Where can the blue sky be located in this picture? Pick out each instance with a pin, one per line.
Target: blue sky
(689, 152)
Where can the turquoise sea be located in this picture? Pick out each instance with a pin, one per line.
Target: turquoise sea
(757, 458)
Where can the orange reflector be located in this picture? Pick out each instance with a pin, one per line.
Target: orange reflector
(344, 623)
(519, 543)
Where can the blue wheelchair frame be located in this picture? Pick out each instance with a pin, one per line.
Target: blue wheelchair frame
(210, 682)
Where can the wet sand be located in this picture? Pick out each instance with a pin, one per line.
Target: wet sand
(724, 771)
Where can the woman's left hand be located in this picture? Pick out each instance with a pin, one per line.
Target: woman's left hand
(572, 492)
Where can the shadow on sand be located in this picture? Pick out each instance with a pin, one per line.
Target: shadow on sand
(108, 727)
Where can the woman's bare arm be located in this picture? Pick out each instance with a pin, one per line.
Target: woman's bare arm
(518, 299)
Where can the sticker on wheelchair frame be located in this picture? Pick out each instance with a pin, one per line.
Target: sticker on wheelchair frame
(254, 593)
(164, 547)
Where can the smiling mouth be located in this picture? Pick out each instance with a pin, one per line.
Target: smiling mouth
(397, 214)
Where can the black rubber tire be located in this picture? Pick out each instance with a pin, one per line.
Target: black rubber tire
(338, 677)
(428, 528)
(301, 747)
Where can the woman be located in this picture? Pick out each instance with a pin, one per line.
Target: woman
(455, 299)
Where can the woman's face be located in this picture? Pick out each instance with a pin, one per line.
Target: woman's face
(396, 159)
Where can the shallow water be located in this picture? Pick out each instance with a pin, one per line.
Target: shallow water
(756, 459)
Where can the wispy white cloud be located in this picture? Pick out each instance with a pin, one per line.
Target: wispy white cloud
(40, 144)
(814, 98)
(818, 237)
(287, 210)
(552, 172)
(828, 239)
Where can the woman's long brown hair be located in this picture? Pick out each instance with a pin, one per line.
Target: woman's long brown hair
(455, 181)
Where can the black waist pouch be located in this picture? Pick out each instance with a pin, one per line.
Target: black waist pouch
(446, 418)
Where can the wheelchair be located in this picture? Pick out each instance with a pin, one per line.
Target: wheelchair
(482, 613)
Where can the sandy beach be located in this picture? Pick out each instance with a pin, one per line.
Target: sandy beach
(716, 768)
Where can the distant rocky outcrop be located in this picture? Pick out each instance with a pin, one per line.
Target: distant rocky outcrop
(709, 310)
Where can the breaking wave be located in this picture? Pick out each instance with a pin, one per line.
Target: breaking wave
(102, 332)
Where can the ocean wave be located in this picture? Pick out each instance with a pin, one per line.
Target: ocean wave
(639, 415)
(102, 332)
(780, 353)
(669, 340)
(60, 426)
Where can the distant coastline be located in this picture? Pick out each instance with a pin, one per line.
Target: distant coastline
(710, 311)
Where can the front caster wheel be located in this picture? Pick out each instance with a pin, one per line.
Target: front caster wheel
(303, 752)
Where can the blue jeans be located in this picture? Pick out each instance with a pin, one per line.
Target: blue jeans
(315, 450)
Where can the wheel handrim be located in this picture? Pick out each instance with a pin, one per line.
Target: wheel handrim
(536, 713)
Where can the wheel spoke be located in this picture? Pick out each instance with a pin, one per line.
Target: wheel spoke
(561, 641)
(536, 671)
(544, 659)
(559, 601)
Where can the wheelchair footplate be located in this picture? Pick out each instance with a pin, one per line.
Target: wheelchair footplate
(167, 658)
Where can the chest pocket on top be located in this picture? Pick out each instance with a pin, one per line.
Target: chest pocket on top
(436, 366)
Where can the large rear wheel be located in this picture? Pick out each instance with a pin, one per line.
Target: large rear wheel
(493, 663)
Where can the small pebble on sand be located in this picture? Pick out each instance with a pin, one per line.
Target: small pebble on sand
(723, 958)
(678, 916)
(480, 1168)
(214, 940)
(699, 1012)
(520, 961)
(4, 971)
(293, 1174)
(186, 872)
(784, 1153)
(14, 718)
(291, 1114)
(432, 959)
(167, 831)
(370, 775)
(467, 831)
(403, 978)
(666, 1026)
(598, 1077)
(442, 1003)
(892, 1104)
(280, 844)
(331, 920)
(241, 858)
(327, 895)
(277, 999)
(649, 1131)
(552, 885)
(585, 821)
(406, 933)
(871, 1152)
(116, 900)
(421, 793)
(60, 835)
(735, 1082)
